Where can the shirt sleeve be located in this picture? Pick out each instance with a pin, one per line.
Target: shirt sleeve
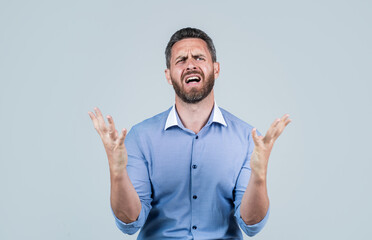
(137, 168)
(241, 185)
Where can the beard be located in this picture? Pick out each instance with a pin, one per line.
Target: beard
(194, 95)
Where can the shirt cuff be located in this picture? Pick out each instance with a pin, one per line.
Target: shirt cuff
(130, 228)
(251, 230)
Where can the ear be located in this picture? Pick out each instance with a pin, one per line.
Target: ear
(216, 69)
(168, 76)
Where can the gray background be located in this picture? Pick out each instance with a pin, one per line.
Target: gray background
(60, 59)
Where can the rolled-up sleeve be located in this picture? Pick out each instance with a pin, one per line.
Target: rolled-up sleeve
(240, 187)
(137, 168)
(251, 230)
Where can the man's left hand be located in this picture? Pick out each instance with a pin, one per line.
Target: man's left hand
(264, 145)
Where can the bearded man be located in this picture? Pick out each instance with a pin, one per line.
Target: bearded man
(194, 171)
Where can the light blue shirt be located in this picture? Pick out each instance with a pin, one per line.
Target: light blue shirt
(190, 185)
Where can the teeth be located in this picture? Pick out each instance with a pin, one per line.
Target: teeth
(192, 78)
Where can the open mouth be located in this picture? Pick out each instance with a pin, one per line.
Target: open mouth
(193, 79)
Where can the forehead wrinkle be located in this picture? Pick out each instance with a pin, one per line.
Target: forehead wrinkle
(192, 48)
(195, 53)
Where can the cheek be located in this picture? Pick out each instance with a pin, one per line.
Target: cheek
(176, 74)
(208, 70)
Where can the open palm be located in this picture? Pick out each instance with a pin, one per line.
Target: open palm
(264, 145)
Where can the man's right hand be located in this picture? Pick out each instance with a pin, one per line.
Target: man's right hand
(112, 141)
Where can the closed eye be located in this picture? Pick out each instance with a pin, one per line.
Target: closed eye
(180, 60)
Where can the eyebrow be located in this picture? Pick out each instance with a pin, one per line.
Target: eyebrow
(199, 55)
(185, 57)
(180, 57)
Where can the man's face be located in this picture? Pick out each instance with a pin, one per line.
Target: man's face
(192, 71)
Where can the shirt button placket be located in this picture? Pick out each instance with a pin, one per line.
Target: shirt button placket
(195, 209)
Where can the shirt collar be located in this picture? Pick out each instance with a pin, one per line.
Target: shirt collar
(172, 117)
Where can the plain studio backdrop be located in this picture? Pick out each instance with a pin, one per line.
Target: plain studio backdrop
(60, 59)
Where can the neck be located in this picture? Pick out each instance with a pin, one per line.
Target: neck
(194, 116)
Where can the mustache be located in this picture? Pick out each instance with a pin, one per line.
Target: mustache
(192, 72)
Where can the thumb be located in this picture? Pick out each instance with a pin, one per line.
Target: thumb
(255, 137)
(122, 136)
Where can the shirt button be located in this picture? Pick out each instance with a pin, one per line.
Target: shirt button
(197, 137)
(194, 166)
(194, 227)
(194, 197)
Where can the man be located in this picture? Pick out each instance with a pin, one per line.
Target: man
(194, 171)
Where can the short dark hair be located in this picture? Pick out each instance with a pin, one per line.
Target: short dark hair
(189, 33)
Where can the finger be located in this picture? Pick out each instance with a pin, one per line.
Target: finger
(94, 120)
(284, 120)
(272, 130)
(122, 136)
(112, 129)
(285, 117)
(283, 123)
(287, 122)
(116, 134)
(101, 121)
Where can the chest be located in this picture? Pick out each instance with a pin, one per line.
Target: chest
(210, 163)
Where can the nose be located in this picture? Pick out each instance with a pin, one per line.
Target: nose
(190, 64)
